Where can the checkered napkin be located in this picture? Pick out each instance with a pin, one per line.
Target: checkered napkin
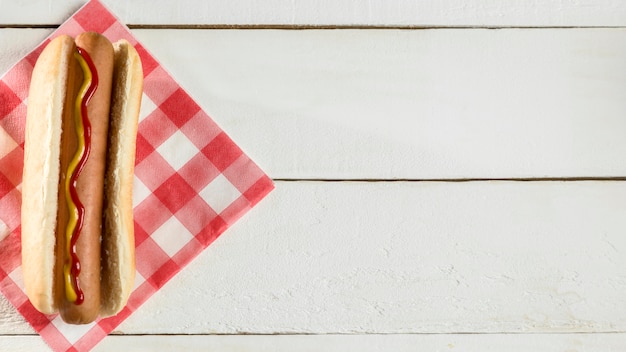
(191, 183)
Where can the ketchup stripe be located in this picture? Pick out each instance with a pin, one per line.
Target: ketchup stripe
(71, 292)
(75, 262)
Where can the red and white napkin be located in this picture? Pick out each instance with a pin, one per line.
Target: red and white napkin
(191, 183)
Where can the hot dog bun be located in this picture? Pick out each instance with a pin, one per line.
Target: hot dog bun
(105, 245)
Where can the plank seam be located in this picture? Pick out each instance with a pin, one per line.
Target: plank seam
(311, 27)
(355, 334)
(457, 180)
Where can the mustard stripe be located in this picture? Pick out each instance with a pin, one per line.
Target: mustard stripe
(70, 291)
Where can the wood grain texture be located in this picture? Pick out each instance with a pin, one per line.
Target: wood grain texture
(16, 43)
(404, 257)
(334, 12)
(412, 104)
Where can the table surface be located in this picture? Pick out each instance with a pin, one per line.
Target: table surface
(449, 174)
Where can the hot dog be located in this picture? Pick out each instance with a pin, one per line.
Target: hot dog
(77, 224)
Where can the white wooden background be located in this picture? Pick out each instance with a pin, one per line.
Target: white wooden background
(450, 175)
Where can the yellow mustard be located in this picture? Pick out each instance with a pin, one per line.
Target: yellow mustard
(70, 291)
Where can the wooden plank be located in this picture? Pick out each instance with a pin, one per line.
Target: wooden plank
(335, 12)
(331, 343)
(404, 257)
(418, 104)
(16, 43)
(412, 104)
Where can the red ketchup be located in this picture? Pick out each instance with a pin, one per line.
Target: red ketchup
(75, 263)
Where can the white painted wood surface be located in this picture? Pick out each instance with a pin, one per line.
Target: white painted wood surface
(342, 343)
(413, 104)
(492, 13)
(468, 266)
